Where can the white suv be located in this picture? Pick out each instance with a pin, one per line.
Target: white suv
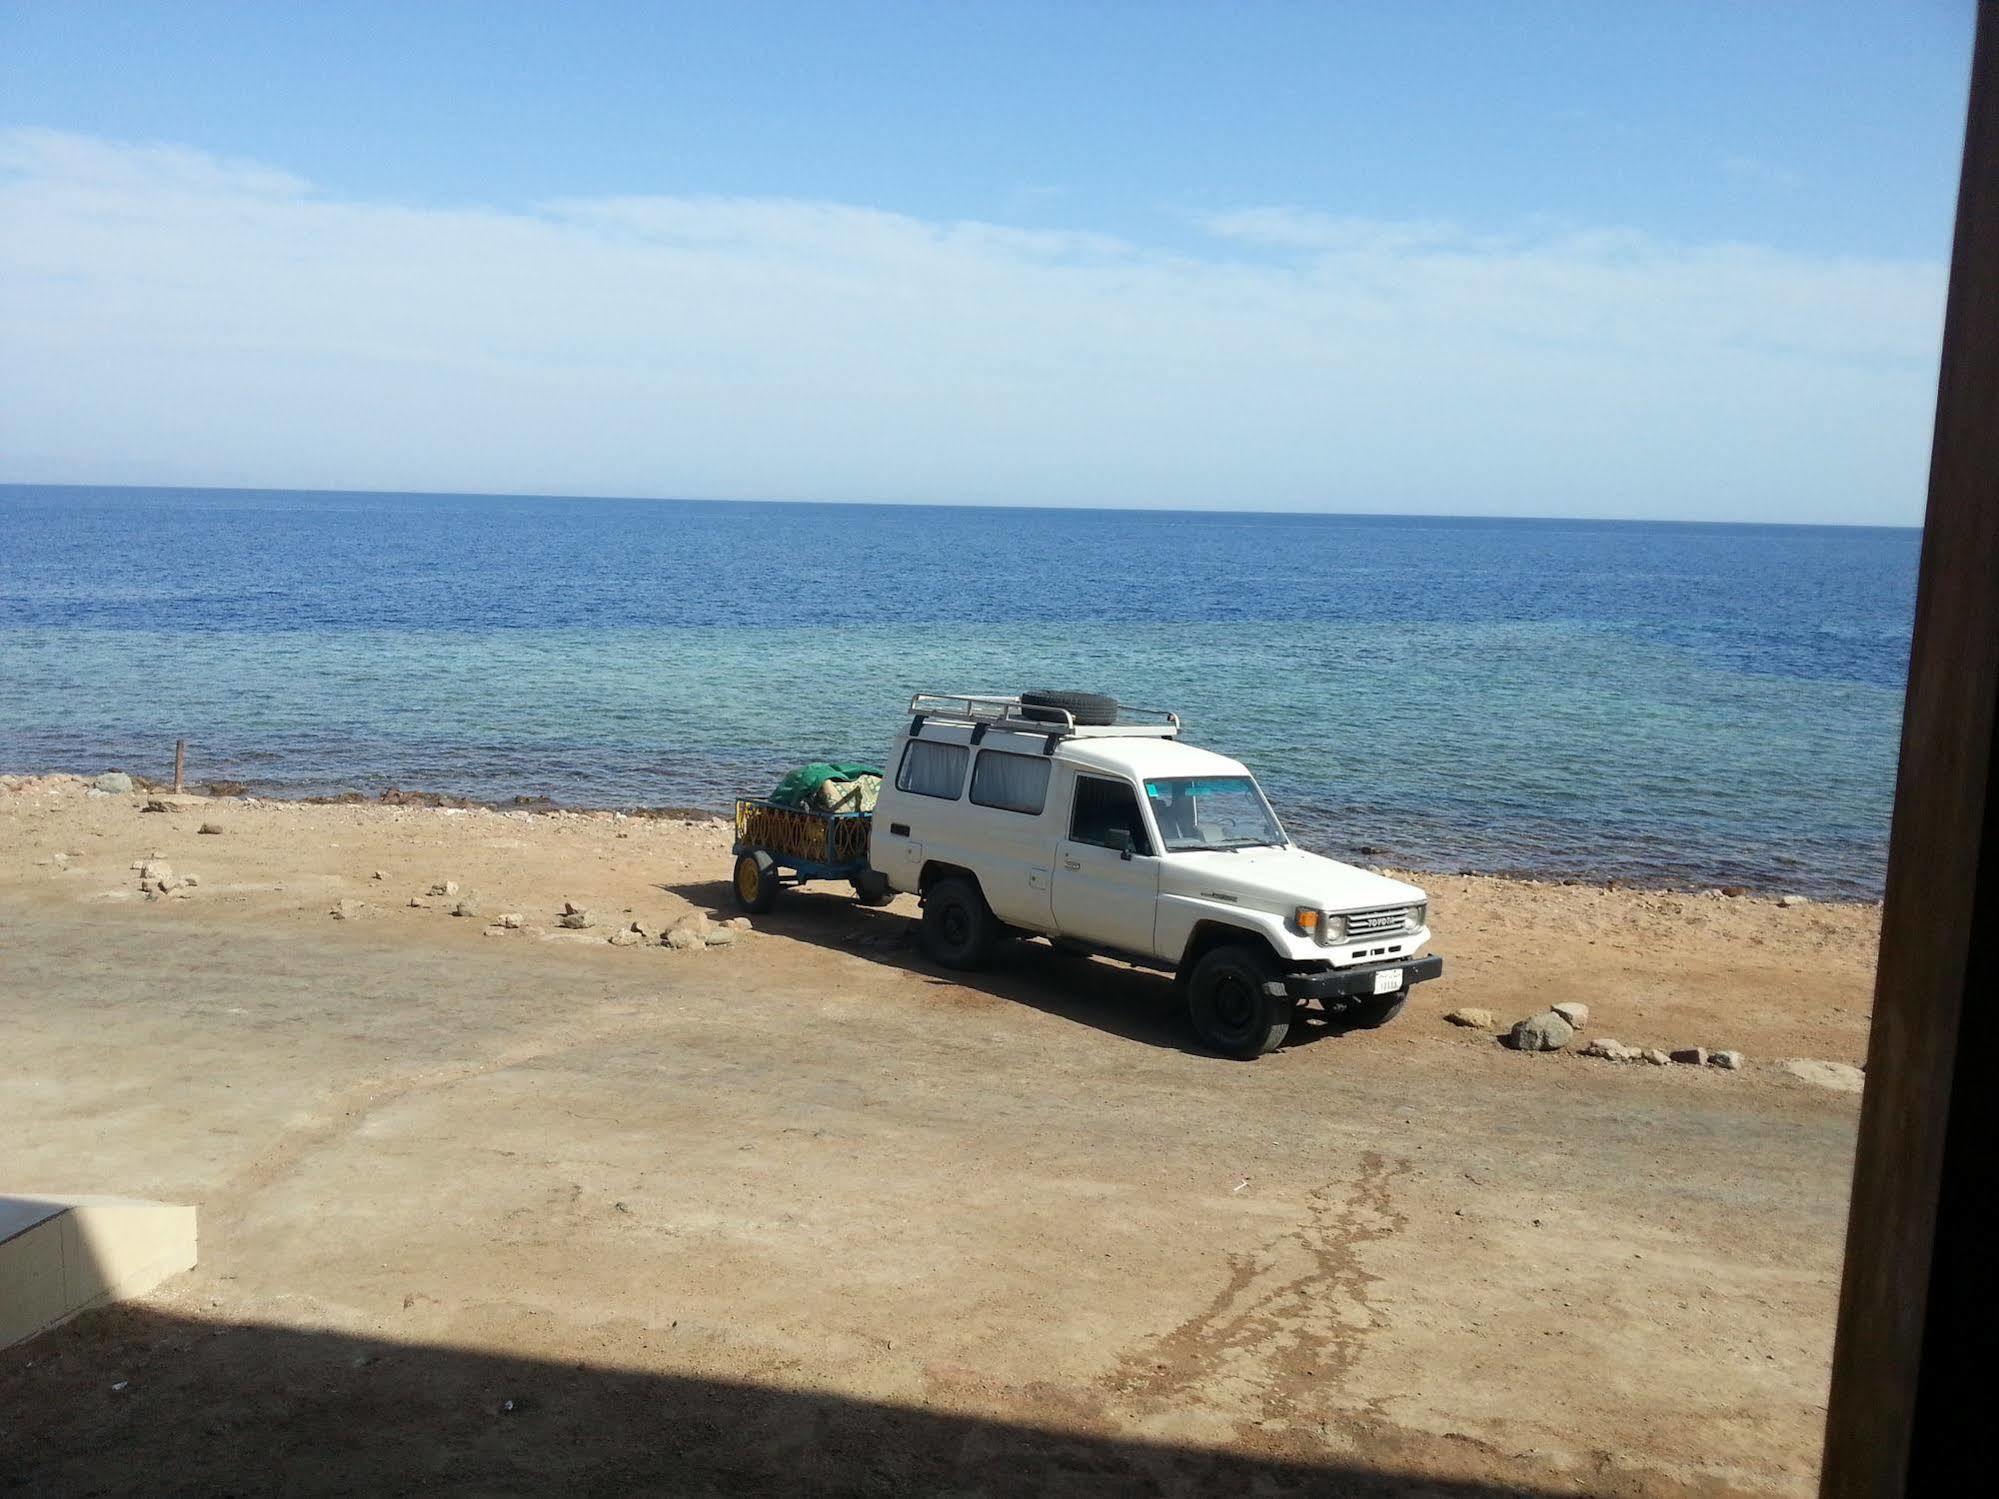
(1067, 816)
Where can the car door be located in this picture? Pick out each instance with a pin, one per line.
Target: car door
(1106, 892)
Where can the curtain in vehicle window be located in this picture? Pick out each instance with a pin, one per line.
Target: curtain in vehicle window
(932, 769)
(1013, 783)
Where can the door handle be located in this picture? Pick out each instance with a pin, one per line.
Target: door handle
(1071, 864)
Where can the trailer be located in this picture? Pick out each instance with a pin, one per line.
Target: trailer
(778, 845)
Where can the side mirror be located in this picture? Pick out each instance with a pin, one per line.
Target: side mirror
(1127, 845)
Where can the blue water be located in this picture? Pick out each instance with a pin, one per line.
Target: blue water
(1660, 703)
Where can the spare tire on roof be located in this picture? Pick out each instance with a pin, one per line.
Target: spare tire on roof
(1091, 708)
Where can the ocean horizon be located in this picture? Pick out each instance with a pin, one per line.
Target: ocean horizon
(1660, 702)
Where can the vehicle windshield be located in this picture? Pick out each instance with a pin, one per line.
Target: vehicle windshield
(1211, 812)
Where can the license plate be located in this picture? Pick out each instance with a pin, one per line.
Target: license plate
(1388, 981)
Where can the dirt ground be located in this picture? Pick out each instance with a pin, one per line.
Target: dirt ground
(516, 1213)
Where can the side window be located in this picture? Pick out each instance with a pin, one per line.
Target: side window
(1013, 783)
(1105, 812)
(932, 769)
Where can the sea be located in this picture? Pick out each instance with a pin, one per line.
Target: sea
(1676, 705)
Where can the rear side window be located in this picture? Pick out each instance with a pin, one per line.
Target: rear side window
(932, 769)
(1013, 783)
(1105, 812)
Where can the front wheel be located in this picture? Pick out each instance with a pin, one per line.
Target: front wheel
(958, 928)
(1231, 1008)
(755, 882)
(1372, 1014)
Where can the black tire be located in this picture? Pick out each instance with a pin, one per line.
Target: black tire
(958, 928)
(1371, 1014)
(1227, 1001)
(755, 882)
(872, 889)
(1087, 708)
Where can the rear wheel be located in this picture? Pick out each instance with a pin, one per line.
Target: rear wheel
(1231, 1008)
(755, 882)
(958, 928)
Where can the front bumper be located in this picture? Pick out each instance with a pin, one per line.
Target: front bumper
(1348, 983)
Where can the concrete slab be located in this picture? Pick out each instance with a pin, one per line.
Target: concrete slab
(62, 1254)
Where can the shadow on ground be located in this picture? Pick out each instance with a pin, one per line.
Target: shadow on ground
(1136, 1004)
(132, 1401)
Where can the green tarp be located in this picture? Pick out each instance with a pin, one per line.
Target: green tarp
(800, 787)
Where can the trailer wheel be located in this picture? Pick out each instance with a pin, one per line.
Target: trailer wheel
(871, 888)
(755, 882)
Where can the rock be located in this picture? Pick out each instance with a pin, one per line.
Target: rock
(576, 918)
(419, 903)
(494, 931)
(720, 936)
(626, 938)
(115, 782)
(737, 923)
(1788, 901)
(1575, 1013)
(155, 869)
(1728, 1061)
(508, 921)
(1656, 1057)
(156, 805)
(445, 887)
(1544, 1032)
(1834, 1075)
(190, 879)
(381, 874)
(570, 908)
(1479, 1020)
(465, 908)
(1691, 1056)
(347, 910)
(684, 938)
(1609, 1050)
(212, 829)
(1734, 892)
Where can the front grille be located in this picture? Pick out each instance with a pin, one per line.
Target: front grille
(1363, 924)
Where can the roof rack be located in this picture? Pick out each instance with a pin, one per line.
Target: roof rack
(987, 711)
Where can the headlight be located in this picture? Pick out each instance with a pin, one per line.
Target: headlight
(1334, 930)
(1419, 917)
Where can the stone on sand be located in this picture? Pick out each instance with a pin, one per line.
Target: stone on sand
(1691, 1056)
(1728, 1061)
(1834, 1075)
(1479, 1020)
(1573, 1011)
(345, 909)
(1544, 1032)
(115, 782)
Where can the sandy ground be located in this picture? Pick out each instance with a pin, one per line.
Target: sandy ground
(515, 1213)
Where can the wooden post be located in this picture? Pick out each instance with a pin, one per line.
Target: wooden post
(180, 765)
(1918, 1332)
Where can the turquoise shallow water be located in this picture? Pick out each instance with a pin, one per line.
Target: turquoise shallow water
(1658, 703)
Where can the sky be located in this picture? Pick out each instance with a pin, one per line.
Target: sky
(1673, 260)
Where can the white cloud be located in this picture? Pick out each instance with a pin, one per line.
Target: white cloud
(166, 316)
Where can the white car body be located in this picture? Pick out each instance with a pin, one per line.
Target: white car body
(1153, 904)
